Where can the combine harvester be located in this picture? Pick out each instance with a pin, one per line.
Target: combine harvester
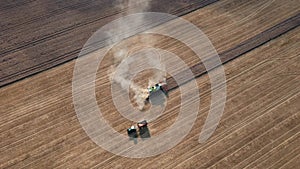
(161, 86)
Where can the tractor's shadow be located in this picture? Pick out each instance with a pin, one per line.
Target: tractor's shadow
(144, 132)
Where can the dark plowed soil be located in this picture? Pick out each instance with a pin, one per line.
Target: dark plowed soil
(38, 35)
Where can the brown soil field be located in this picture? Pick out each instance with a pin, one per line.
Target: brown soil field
(259, 46)
(53, 32)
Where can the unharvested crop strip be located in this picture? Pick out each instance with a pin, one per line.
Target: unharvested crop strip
(246, 46)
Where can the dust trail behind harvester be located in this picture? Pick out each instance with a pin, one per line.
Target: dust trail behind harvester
(122, 72)
(123, 64)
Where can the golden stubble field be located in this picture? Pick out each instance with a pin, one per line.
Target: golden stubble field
(259, 127)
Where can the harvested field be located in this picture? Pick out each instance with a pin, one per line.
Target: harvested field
(258, 43)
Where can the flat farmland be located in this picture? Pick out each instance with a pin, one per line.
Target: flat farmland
(258, 43)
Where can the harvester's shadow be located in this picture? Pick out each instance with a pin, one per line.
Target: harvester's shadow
(158, 99)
